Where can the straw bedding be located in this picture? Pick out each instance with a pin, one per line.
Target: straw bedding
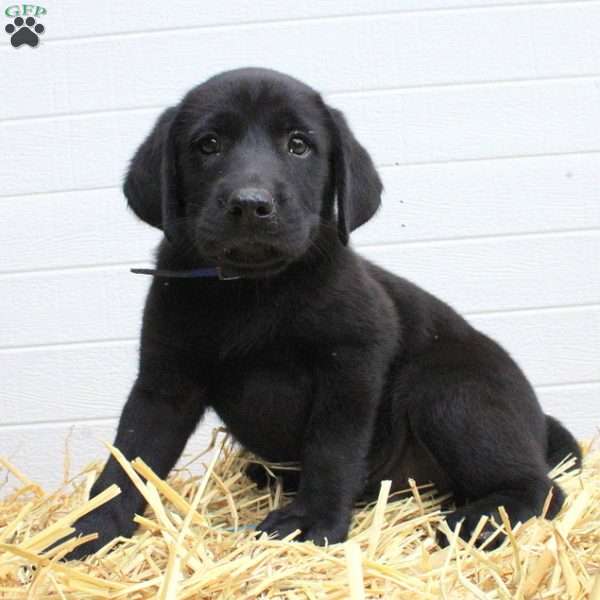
(196, 541)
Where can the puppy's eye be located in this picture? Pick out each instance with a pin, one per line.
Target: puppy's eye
(297, 145)
(209, 144)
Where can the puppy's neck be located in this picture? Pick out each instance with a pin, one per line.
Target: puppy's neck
(178, 259)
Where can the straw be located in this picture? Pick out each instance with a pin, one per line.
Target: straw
(196, 540)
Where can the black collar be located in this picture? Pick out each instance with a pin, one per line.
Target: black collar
(190, 274)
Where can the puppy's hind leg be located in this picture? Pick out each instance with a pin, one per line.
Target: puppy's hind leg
(561, 444)
(489, 441)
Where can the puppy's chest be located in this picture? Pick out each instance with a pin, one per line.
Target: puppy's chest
(213, 327)
(248, 330)
(241, 324)
(265, 401)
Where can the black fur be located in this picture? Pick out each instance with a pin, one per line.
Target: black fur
(314, 355)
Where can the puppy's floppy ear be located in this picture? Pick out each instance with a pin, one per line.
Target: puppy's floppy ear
(357, 184)
(151, 182)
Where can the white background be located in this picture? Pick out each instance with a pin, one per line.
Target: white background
(483, 116)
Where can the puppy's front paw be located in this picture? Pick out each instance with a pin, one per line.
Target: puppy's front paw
(106, 525)
(317, 529)
(470, 518)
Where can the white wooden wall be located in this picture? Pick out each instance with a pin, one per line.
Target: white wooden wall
(483, 116)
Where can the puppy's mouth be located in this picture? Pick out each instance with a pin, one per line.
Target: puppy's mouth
(253, 259)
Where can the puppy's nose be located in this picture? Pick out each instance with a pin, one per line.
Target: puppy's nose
(251, 203)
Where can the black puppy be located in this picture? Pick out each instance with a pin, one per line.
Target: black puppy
(307, 351)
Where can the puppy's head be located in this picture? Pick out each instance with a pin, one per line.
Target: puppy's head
(249, 168)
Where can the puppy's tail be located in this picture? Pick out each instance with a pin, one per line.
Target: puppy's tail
(561, 443)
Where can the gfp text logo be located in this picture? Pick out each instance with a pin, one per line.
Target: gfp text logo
(24, 28)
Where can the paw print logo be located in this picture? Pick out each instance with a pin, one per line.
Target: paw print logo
(24, 32)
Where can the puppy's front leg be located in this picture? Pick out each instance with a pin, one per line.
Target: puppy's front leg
(159, 416)
(335, 447)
